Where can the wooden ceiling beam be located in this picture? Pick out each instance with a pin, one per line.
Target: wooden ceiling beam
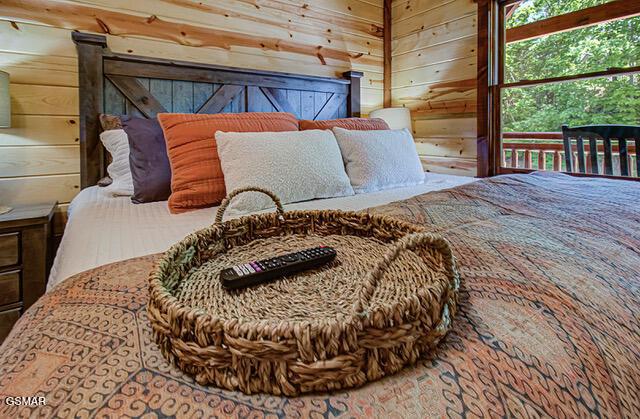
(607, 12)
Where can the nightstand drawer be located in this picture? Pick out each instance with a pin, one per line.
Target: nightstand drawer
(7, 320)
(9, 287)
(9, 249)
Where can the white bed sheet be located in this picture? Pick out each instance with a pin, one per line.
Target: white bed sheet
(102, 229)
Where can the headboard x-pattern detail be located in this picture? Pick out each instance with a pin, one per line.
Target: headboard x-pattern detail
(143, 86)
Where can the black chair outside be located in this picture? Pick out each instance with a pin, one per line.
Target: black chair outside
(605, 133)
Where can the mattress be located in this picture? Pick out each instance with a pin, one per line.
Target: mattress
(104, 229)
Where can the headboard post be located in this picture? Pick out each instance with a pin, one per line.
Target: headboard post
(90, 78)
(353, 102)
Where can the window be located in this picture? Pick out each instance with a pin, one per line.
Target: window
(556, 62)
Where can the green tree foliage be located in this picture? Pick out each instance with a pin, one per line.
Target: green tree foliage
(607, 100)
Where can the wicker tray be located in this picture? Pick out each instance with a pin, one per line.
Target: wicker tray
(387, 298)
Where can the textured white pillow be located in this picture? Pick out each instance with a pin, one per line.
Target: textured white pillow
(117, 144)
(377, 160)
(295, 165)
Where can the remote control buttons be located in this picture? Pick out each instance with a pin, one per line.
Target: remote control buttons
(290, 258)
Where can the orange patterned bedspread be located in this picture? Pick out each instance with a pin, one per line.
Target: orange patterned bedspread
(549, 322)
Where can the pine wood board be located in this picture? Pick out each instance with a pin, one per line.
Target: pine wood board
(460, 28)
(443, 109)
(17, 59)
(434, 17)
(370, 99)
(370, 10)
(450, 165)
(40, 69)
(462, 107)
(445, 128)
(404, 9)
(365, 63)
(155, 48)
(39, 160)
(236, 58)
(41, 76)
(343, 16)
(415, 97)
(31, 99)
(447, 100)
(429, 55)
(33, 130)
(37, 189)
(26, 38)
(460, 69)
(447, 147)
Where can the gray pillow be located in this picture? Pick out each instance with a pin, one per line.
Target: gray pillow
(380, 159)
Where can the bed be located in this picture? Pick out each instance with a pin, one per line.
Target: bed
(129, 230)
(548, 322)
(549, 318)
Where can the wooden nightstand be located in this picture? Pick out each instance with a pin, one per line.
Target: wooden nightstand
(25, 255)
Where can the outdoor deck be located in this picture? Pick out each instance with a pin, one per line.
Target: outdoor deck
(545, 151)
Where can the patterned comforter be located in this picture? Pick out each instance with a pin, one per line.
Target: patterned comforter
(549, 322)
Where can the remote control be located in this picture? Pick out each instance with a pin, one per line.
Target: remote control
(259, 272)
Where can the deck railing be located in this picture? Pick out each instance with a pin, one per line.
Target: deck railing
(545, 151)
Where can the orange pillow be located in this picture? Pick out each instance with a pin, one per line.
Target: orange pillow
(359, 124)
(196, 175)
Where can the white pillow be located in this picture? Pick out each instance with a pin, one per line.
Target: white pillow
(379, 159)
(295, 165)
(117, 144)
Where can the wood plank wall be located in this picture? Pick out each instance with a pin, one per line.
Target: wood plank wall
(434, 74)
(39, 157)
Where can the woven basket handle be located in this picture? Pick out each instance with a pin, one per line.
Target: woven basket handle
(227, 200)
(408, 242)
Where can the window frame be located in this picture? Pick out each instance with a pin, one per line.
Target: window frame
(491, 60)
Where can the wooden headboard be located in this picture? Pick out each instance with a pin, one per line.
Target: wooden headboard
(141, 86)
